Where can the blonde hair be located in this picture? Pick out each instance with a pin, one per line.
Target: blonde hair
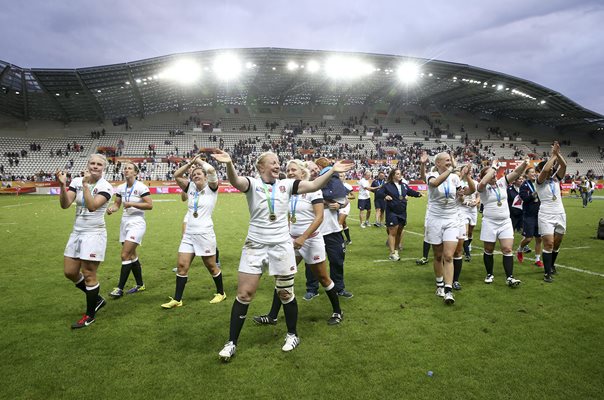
(302, 165)
(261, 158)
(97, 155)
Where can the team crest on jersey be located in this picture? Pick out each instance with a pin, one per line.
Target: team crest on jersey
(282, 189)
(136, 192)
(94, 191)
(304, 196)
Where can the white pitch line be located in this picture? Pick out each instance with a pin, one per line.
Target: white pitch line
(8, 223)
(557, 265)
(17, 205)
(402, 259)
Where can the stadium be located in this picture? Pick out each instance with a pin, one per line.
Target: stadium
(379, 111)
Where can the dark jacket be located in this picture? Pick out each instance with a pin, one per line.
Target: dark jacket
(530, 200)
(397, 205)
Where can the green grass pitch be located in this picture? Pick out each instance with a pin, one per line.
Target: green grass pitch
(540, 341)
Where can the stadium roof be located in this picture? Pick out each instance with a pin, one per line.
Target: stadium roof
(273, 76)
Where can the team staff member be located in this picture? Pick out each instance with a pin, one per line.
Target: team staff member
(136, 198)
(199, 238)
(442, 222)
(395, 193)
(85, 249)
(378, 199)
(530, 213)
(332, 236)
(496, 222)
(552, 217)
(515, 204)
(364, 199)
(305, 218)
(268, 243)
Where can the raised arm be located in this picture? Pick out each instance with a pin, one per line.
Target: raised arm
(312, 186)
(180, 172)
(487, 177)
(92, 203)
(465, 172)
(210, 174)
(240, 183)
(66, 196)
(435, 182)
(561, 172)
(423, 162)
(512, 176)
(547, 168)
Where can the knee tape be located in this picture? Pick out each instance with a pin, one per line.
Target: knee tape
(284, 285)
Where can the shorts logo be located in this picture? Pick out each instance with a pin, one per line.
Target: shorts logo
(132, 237)
(292, 268)
(282, 189)
(207, 251)
(92, 255)
(316, 258)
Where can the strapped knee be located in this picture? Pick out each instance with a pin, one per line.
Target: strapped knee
(284, 285)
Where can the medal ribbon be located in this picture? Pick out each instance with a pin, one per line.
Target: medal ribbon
(270, 199)
(530, 184)
(552, 187)
(447, 188)
(129, 194)
(497, 193)
(196, 201)
(293, 202)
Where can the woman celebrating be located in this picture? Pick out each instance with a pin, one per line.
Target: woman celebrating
(467, 188)
(85, 249)
(305, 217)
(199, 238)
(442, 222)
(496, 222)
(395, 192)
(136, 199)
(552, 217)
(268, 243)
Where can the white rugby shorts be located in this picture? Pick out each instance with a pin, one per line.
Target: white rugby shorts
(202, 244)
(313, 250)
(279, 259)
(491, 230)
(438, 230)
(133, 231)
(86, 246)
(550, 224)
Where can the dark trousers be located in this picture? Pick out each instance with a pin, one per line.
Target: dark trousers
(335, 249)
(585, 197)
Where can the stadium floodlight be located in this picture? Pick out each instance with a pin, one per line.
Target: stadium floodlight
(408, 72)
(312, 66)
(184, 71)
(347, 68)
(227, 67)
(292, 66)
(542, 102)
(249, 65)
(500, 87)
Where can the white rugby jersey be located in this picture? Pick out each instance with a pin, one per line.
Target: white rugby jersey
(547, 190)
(262, 230)
(301, 207)
(86, 221)
(132, 194)
(488, 198)
(439, 205)
(206, 201)
(364, 194)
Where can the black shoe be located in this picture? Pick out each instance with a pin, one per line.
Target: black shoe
(554, 272)
(345, 294)
(456, 285)
(548, 278)
(335, 319)
(83, 322)
(265, 320)
(468, 258)
(100, 303)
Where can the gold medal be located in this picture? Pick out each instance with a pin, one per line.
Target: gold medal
(400, 197)
(272, 217)
(554, 198)
(293, 219)
(499, 204)
(195, 215)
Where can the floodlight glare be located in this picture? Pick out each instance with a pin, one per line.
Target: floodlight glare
(291, 66)
(249, 65)
(312, 66)
(408, 72)
(184, 71)
(347, 68)
(499, 87)
(227, 67)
